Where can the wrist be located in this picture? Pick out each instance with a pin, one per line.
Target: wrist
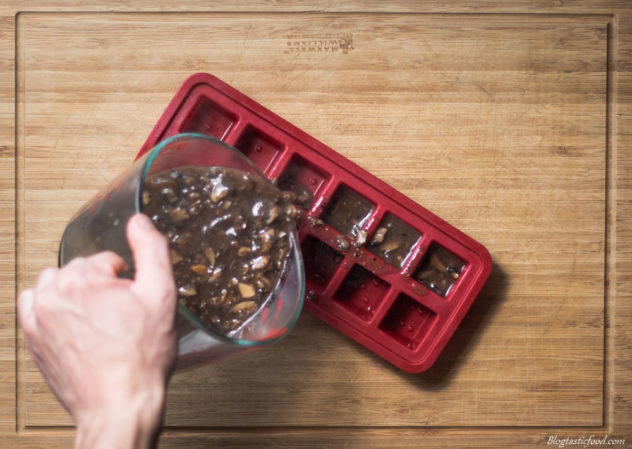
(126, 420)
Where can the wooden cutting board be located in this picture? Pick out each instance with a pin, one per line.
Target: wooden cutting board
(509, 126)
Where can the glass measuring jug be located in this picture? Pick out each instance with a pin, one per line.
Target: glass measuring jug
(100, 225)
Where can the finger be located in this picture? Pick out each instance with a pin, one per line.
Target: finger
(108, 262)
(154, 276)
(47, 276)
(26, 312)
(73, 280)
(77, 261)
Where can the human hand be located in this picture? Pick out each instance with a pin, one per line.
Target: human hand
(106, 345)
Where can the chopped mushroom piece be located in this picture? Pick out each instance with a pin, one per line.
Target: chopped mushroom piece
(244, 251)
(210, 255)
(146, 198)
(199, 269)
(178, 214)
(360, 239)
(343, 244)
(379, 236)
(259, 263)
(244, 306)
(217, 272)
(187, 290)
(246, 290)
(175, 257)
(219, 192)
(389, 246)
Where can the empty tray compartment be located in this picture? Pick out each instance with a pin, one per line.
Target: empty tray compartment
(408, 321)
(260, 148)
(361, 292)
(439, 269)
(210, 119)
(394, 240)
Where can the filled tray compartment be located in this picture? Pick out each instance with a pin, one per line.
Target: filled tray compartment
(394, 240)
(379, 267)
(439, 270)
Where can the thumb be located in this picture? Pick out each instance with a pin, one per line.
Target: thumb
(154, 275)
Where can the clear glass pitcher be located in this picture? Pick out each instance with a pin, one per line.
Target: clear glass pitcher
(100, 225)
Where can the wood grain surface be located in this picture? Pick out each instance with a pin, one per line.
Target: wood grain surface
(513, 127)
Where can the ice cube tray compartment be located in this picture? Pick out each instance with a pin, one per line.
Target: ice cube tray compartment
(439, 270)
(394, 240)
(408, 322)
(379, 267)
(209, 118)
(361, 292)
(321, 264)
(260, 148)
(304, 179)
(347, 211)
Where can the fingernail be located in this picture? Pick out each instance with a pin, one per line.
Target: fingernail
(143, 221)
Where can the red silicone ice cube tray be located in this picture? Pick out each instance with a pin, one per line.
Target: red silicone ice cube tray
(379, 267)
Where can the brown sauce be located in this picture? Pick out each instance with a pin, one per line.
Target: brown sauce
(229, 239)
